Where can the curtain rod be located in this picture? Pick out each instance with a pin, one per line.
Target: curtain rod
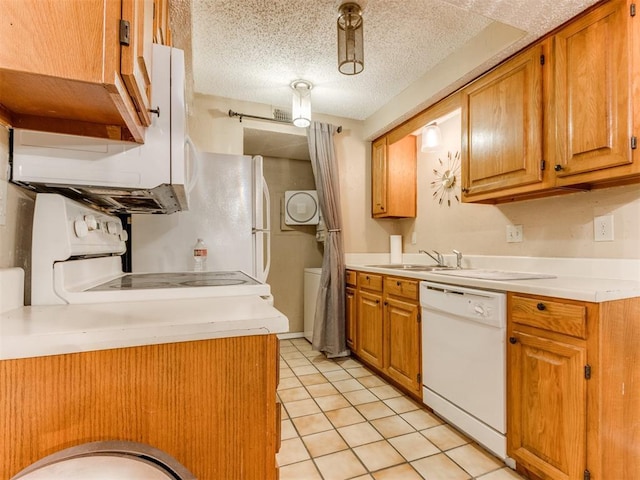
(267, 119)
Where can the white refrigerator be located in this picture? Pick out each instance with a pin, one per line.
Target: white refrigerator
(228, 209)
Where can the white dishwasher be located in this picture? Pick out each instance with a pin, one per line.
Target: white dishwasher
(464, 360)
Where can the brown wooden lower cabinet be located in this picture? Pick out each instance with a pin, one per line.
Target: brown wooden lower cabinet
(574, 388)
(210, 404)
(402, 332)
(387, 328)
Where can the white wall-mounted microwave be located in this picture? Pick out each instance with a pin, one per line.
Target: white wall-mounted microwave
(116, 176)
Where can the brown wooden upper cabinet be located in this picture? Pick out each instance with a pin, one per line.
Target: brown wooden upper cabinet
(591, 92)
(79, 67)
(502, 127)
(557, 115)
(393, 177)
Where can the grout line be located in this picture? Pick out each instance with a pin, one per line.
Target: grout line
(366, 420)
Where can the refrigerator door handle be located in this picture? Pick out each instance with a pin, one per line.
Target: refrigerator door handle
(191, 164)
(267, 229)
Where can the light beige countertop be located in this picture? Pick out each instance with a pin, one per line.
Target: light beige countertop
(59, 329)
(591, 280)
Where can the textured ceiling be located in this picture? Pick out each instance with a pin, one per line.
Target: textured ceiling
(252, 49)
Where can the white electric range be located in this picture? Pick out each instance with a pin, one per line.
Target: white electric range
(76, 259)
(83, 301)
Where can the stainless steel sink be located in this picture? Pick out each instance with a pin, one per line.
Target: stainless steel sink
(414, 267)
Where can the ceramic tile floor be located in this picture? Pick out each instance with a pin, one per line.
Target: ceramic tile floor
(340, 421)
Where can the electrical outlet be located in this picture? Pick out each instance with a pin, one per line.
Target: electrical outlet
(414, 238)
(514, 233)
(603, 228)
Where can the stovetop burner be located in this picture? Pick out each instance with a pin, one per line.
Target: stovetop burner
(144, 281)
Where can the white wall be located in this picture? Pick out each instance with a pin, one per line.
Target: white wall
(558, 226)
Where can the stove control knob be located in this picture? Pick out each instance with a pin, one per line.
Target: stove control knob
(124, 236)
(80, 228)
(112, 228)
(91, 222)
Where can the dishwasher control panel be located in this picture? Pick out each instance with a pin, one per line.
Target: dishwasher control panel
(483, 306)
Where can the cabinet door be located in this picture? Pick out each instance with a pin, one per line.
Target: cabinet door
(402, 336)
(401, 177)
(161, 28)
(546, 420)
(502, 127)
(369, 311)
(135, 58)
(379, 177)
(60, 68)
(592, 93)
(393, 177)
(350, 318)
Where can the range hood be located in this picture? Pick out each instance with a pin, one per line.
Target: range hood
(114, 176)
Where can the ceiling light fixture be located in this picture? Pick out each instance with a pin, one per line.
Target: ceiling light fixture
(301, 109)
(431, 137)
(350, 42)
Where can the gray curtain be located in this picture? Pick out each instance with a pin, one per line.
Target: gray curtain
(329, 328)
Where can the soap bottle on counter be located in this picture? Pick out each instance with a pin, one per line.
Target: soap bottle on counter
(200, 256)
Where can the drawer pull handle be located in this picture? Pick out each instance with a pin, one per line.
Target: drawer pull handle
(541, 306)
(513, 340)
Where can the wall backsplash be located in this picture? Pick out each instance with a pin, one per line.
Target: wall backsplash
(559, 226)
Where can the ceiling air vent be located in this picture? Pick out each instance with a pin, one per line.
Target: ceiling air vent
(281, 115)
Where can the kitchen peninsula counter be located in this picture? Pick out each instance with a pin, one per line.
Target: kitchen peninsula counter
(35, 331)
(591, 280)
(195, 378)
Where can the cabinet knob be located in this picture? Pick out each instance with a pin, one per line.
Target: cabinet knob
(377, 301)
(367, 277)
(513, 340)
(558, 168)
(385, 304)
(465, 190)
(398, 283)
(541, 306)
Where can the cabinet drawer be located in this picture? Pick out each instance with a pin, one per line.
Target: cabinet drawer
(556, 316)
(401, 287)
(351, 278)
(370, 281)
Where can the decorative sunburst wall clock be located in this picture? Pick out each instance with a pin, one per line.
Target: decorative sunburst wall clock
(446, 179)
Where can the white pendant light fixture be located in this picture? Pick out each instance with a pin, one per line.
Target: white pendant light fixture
(350, 40)
(431, 137)
(301, 108)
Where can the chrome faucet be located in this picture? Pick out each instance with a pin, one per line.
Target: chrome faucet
(458, 258)
(438, 258)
